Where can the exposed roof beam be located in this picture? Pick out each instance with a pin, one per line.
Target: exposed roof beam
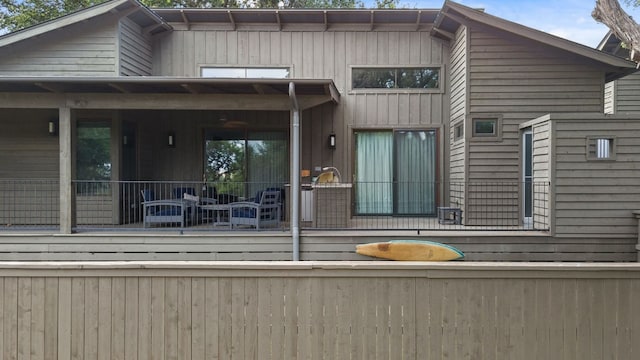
(326, 20)
(231, 19)
(418, 18)
(371, 20)
(150, 28)
(189, 87)
(120, 88)
(49, 87)
(185, 19)
(446, 34)
(278, 20)
(266, 89)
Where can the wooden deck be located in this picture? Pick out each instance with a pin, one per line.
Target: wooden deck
(318, 310)
(276, 245)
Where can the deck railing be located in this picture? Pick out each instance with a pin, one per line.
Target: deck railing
(198, 206)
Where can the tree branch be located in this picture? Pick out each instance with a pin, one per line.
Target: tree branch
(620, 23)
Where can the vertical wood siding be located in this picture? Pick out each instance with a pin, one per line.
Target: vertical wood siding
(86, 49)
(595, 198)
(325, 55)
(135, 49)
(458, 86)
(372, 313)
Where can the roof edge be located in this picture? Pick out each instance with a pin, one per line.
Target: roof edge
(74, 18)
(536, 35)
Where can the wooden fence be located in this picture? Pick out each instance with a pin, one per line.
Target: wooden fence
(319, 310)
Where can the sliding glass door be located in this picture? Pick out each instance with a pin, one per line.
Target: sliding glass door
(395, 172)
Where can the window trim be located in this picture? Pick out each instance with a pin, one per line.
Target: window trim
(497, 136)
(593, 156)
(439, 90)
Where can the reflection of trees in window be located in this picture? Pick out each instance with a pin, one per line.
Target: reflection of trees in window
(395, 78)
(225, 160)
(94, 156)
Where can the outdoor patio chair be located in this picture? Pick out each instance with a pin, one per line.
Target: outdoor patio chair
(165, 211)
(264, 210)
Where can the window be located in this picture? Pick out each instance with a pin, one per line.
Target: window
(245, 73)
(395, 172)
(484, 127)
(601, 148)
(395, 78)
(241, 163)
(93, 157)
(458, 131)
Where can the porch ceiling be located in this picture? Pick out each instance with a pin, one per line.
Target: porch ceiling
(223, 93)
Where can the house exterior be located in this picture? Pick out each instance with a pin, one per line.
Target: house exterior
(621, 94)
(446, 124)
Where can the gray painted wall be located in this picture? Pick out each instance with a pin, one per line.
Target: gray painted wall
(623, 95)
(135, 49)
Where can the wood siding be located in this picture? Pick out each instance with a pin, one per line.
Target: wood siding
(135, 49)
(542, 170)
(318, 311)
(610, 97)
(85, 49)
(627, 94)
(518, 80)
(595, 198)
(323, 55)
(314, 246)
(458, 85)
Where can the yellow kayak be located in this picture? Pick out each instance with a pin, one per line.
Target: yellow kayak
(410, 250)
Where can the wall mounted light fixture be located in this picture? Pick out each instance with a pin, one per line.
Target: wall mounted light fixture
(53, 127)
(171, 140)
(332, 141)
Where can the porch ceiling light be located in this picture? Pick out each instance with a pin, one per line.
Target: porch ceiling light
(332, 141)
(171, 140)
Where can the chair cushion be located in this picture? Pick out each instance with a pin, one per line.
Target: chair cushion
(249, 213)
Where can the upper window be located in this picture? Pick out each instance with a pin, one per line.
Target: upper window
(485, 127)
(395, 78)
(245, 72)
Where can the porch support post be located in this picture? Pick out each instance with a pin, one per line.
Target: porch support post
(66, 187)
(295, 172)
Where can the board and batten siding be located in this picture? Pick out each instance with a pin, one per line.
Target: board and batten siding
(320, 310)
(595, 198)
(85, 49)
(458, 86)
(135, 49)
(323, 55)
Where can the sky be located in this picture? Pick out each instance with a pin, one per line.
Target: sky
(570, 19)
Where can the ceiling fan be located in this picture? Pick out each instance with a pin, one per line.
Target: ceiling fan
(230, 124)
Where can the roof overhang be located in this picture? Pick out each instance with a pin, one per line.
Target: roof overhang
(301, 19)
(140, 14)
(163, 93)
(453, 15)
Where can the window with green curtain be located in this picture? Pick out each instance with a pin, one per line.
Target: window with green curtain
(374, 172)
(395, 172)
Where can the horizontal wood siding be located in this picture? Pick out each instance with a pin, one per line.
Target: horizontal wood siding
(458, 85)
(135, 50)
(325, 311)
(609, 97)
(86, 49)
(314, 246)
(542, 157)
(627, 95)
(520, 80)
(323, 55)
(596, 198)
